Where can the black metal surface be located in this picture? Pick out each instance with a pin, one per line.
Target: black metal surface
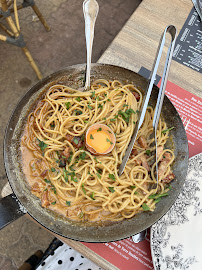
(9, 210)
(59, 225)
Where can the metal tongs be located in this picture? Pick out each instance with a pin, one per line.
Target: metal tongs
(172, 30)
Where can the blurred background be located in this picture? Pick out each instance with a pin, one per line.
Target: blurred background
(63, 46)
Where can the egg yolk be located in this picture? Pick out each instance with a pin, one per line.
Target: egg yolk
(100, 141)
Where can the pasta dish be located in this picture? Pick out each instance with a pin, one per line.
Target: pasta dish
(79, 183)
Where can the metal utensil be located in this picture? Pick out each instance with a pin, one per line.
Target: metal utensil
(90, 11)
(172, 30)
(139, 237)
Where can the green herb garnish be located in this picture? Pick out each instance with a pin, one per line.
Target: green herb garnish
(53, 203)
(99, 129)
(90, 107)
(166, 130)
(78, 99)
(91, 137)
(82, 156)
(53, 169)
(65, 175)
(68, 203)
(82, 187)
(98, 175)
(42, 145)
(111, 189)
(93, 94)
(67, 104)
(81, 214)
(75, 140)
(157, 196)
(92, 196)
(53, 189)
(47, 181)
(109, 141)
(145, 207)
(111, 176)
(132, 187)
(148, 152)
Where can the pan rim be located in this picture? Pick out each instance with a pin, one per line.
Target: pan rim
(95, 239)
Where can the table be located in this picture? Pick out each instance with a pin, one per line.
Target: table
(135, 46)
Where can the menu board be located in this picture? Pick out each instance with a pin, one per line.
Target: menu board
(188, 47)
(125, 254)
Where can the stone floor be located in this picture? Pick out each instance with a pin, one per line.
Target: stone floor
(64, 45)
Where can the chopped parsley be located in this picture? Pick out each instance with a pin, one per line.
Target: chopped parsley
(53, 169)
(81, 214)
(91, 137)
(111, 176)
(67, 104)
(42, 145)
(78, 99)
(92, 196)
(93, 94)
(82, 155)
(98, 175)
(65, 175)
(68, 203)
(109, 141)
(145, 207)
(90, 107)
(148, 152)
(53, 189)
(166, 130)
(76, 141)
(158, 196)
(78, 112)
(53, 203)
(83, 189)
(99, 129)
(111, 189)
(113, 120)
(132, 187)
(47, 181)
(100, 106)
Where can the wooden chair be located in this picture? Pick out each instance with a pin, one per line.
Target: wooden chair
(14, 36)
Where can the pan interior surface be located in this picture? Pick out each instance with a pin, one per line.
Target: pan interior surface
(71, 76)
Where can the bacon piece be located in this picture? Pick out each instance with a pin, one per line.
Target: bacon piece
(136, 95)
(134, 152)
(44, 199)
(44, 173)
(168, 178)
(73, 212)
(76, 141)
(167, 156)
(164, 163)
(36, 188)
(144, 162)
(66, 152)
(159, 150)
(142, 142)
(145, 186)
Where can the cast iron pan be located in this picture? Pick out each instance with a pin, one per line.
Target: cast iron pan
(112, 232)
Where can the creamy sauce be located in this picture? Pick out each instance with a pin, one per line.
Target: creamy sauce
(73, 212)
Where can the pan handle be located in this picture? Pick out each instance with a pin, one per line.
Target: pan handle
(10, 210)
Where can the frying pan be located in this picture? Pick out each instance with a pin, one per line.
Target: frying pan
(72, 76)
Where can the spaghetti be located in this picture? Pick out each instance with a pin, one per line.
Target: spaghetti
(79, 185)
